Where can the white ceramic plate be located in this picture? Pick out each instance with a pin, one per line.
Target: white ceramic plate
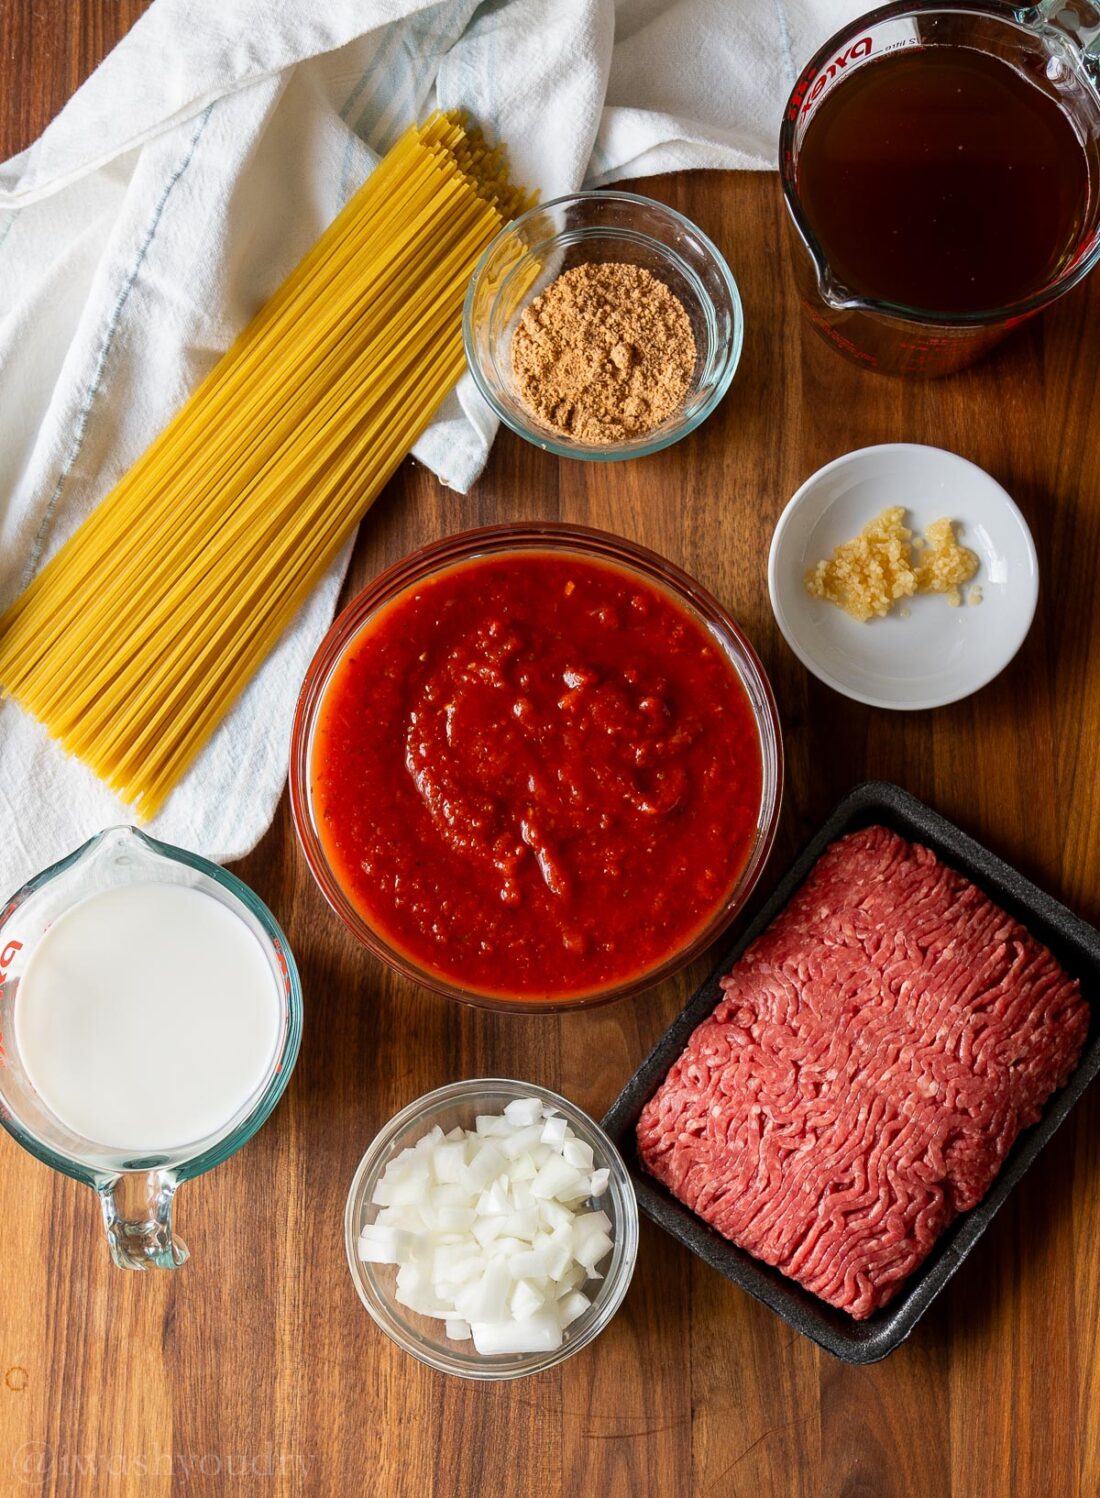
(939, 653)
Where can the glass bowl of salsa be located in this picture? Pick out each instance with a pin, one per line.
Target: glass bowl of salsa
(536, 767)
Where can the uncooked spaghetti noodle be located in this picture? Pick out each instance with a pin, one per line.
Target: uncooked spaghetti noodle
(135, 639)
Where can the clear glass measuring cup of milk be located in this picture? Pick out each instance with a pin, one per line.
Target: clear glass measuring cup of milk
(150, 1017)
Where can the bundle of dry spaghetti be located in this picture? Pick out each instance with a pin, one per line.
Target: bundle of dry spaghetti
(133, 642)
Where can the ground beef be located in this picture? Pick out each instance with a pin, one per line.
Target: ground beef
(873, 1058)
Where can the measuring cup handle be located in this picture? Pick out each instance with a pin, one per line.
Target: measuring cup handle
(137, 1214)
(1079, 19)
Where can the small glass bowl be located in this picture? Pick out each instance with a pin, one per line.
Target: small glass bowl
(498, 540)
(424, 1338)
(604, 226)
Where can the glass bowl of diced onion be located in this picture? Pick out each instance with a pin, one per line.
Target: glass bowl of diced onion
(491, 1229)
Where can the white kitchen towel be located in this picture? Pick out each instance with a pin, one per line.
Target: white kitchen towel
(183, 181)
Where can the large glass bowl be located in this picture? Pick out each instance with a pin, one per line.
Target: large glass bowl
(494, 541)
(620, 227)
(424, 1338)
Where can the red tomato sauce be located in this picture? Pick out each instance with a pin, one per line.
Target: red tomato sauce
(536, 775)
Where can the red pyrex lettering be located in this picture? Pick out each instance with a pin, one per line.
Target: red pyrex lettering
(7, 957)
(801, 89)
(859, 49)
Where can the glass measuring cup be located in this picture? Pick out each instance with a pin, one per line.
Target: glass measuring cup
(1056, 44)
(135, 1190)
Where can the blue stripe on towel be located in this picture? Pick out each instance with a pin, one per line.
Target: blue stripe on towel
(105, 349)
(403, 82)
(785, 38)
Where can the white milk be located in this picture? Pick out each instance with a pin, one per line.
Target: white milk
(146, 1016)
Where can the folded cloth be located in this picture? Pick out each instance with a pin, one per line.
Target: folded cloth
(181, 184)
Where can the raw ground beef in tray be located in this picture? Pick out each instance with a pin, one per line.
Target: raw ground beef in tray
(876, 1052)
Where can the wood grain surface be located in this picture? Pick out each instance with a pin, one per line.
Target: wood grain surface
(255, 1366)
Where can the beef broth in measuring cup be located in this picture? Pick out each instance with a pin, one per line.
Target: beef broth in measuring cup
(943, 179)
(941, 168)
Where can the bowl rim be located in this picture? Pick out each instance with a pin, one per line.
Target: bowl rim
(483, 541)
(796, 640)
(621, 1195)
(561, 446)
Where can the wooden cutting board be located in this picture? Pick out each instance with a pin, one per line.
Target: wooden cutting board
(255, 1367)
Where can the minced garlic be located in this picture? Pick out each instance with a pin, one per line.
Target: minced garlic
(867, 575)
(944, 565)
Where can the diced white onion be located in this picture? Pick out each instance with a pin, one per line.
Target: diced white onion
(554, 1215)
(578, 1154)
(530, 1265)
(454, 1219)
(448, 1161)
(593, 1250)
(523, 1169)
(521, 1112)
(556, 1179)
(522, 1141)
(489, 1228)
(379, 1244)
(487, 1163)
(569, 1307)
(523, 1223)
(535, 1334)
(525, 1300)
(485, 1229)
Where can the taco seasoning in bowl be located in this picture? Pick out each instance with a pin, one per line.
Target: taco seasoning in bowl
(536, 767)
(602, 326)
(605, 352)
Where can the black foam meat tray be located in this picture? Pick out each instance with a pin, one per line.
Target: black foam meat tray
(1077, 947)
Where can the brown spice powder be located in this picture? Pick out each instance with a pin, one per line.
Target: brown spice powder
(605, 352)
